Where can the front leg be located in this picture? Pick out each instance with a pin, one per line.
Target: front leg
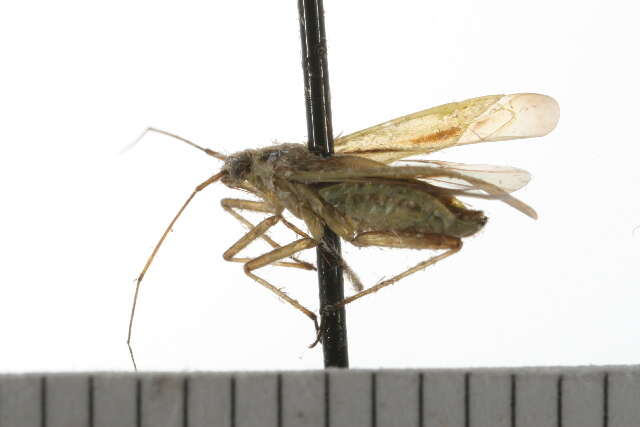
(230, 206)
(253, 234)
(272, 258)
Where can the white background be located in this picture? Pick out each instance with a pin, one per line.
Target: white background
(80, 80)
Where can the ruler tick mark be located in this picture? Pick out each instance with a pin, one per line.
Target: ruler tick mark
(467, 400)
(605, 403)
(185, 401)
(421, 399)
(91, 401)
(513, 400)
(279, 398)
(327, 403)
(43, 401)
(559, 402)
(232, 398)
(374, 400)
(138, 402)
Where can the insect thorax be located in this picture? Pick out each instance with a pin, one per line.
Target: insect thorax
(265, 170)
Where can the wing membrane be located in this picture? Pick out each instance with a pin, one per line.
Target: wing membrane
(507, 178)
(488, 118)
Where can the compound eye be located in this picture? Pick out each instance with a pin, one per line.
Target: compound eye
(240, 168)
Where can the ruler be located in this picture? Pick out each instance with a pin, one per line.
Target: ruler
(522, 397)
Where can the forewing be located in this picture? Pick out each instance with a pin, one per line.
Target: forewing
(488, 118)
(411, 172)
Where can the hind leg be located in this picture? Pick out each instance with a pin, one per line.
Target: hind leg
(403, 240)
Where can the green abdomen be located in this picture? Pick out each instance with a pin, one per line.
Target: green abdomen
(402, 206)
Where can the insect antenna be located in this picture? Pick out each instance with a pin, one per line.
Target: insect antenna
(208, 151)
(199, 188)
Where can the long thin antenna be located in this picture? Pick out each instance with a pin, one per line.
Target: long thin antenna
(209, 151)
(320, 131)
(199, 188)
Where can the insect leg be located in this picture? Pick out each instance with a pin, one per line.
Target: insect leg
(271, 258)
(199, 188)
(253, 234)
(351, 275)
(295, 229)
(404, 240)
(230, 205)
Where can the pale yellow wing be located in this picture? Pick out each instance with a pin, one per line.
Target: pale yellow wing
(488, 118)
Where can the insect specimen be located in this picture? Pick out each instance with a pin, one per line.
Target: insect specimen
(364, 199)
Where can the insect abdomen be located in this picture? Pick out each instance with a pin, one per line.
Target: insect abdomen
(399, 207)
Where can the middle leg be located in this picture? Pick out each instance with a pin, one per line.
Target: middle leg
(351, 275)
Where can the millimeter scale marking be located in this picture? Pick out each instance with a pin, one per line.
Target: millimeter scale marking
(519, 397)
